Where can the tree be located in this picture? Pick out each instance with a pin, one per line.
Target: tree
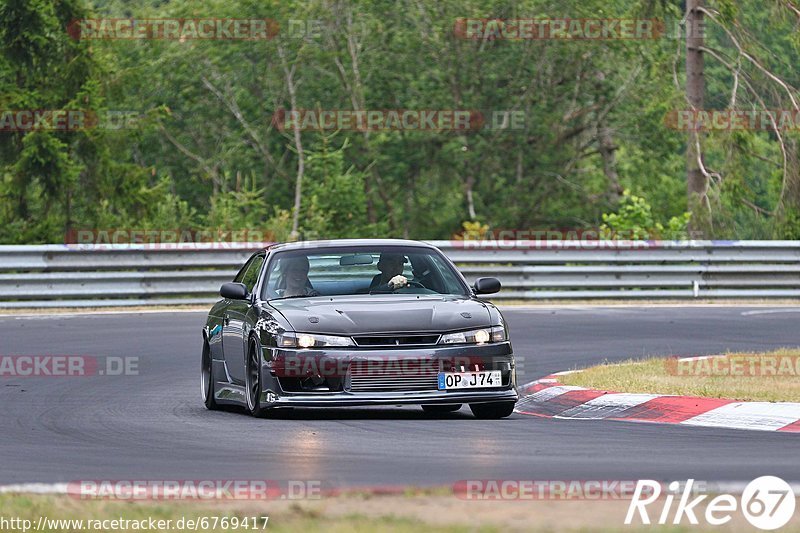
(696, 180)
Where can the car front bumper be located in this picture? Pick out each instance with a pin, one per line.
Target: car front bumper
(498, 356)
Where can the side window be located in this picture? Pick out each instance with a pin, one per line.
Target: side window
(243, 270)
(250, 277)
(451, 283)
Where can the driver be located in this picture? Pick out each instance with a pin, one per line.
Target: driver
(391, 276)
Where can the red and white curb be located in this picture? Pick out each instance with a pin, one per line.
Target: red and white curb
(549, 398)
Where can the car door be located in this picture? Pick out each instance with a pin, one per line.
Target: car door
(233, 321)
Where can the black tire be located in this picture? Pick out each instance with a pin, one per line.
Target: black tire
(441, 408)
(253, 382)
(487, 411)
(207, 379)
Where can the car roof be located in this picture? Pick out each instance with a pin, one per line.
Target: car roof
(338, 243)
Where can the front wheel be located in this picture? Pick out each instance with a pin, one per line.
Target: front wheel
(487, 411)
(253, 382)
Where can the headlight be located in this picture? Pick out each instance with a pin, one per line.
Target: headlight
(307, 340)
(477, 336)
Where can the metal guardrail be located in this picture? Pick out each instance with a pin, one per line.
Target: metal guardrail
(127, 275)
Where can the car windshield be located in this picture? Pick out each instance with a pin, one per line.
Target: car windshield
(360, 270)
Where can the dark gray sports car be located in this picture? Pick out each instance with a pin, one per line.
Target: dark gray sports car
(353, 323)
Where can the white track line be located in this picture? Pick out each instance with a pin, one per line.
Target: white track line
(35, 488)
(769, 311)
(764, 416)
(605, 406)
(45, 315)
(550, 393)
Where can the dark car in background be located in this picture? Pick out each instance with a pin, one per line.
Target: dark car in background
(357, 323)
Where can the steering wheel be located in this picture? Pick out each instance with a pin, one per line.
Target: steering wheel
(410, 283)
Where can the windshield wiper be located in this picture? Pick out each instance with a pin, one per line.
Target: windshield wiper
(287, 297)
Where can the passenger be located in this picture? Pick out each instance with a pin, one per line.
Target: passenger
(391, 276)
(421, 272)
(294, 278)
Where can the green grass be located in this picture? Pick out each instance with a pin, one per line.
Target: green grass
(663, 376)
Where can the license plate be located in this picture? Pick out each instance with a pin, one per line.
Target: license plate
(469, 380)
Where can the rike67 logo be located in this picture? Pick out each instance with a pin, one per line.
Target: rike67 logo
(767, 502)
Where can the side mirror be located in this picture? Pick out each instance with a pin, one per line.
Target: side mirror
(233, 291)
(487, 285)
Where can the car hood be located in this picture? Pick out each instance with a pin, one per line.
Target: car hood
(375, 314)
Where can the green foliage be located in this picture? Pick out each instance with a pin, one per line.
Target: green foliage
(789, 228)
(204, 154)
(634, 220)
(238, 209)
(472, 230)
(246, 209)
(45, 159)
(335, 200)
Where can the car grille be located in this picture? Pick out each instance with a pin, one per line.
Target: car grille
(396, 340)
(409, 376)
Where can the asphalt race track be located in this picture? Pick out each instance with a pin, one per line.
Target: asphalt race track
(153, 425)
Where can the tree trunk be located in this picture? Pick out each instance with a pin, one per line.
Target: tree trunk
(298, 144)
(607, 148)
(696, 181)
(359, 102)
(469, 184)
(67, 216)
